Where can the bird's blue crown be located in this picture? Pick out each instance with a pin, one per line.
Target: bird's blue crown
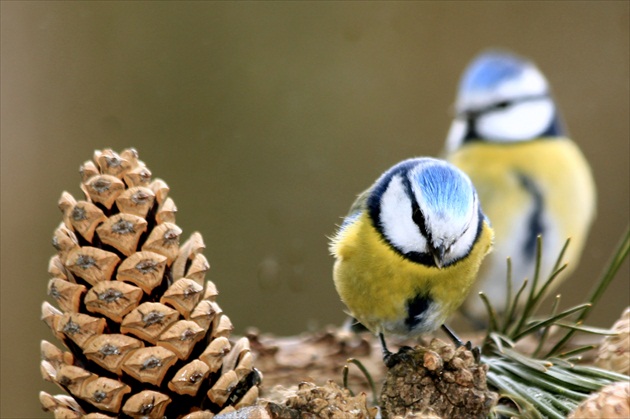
(490, 69)
(445, 189)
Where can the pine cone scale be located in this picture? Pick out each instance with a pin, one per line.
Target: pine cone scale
(144, 334)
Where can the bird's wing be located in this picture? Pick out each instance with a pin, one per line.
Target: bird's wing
(360, 203)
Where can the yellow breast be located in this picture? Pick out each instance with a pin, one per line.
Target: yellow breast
(559, 171)
(376, 283)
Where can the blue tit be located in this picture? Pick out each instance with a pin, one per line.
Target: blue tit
(532, 180)
(410, 248)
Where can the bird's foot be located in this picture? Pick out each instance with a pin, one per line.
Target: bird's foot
(392, 359)
(476, 351)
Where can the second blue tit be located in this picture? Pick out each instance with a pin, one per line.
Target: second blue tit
(410, 248)
(531, 178)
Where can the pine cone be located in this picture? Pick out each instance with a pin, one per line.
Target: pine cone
(439, 380)
(308, 401)
(611, 402)
(614, 351)
(328, 401)
(425, 414)
(144, 334)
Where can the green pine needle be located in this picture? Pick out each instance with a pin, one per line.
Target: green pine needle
(513, 307)
(536, 326)
(546, 329)
(621, 253)
(365, 372)
(548, 385)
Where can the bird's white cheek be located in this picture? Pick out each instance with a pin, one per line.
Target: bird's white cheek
(396, 219)
(462, 246)
(455, 135)
(521, 121)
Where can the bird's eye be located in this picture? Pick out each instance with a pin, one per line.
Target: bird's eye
(418, 218)
(502, 105)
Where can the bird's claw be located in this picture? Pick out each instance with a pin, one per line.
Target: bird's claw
(392, 359)
(476, 351)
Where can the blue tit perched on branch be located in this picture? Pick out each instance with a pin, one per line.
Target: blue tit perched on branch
(410, 248)
(532, 180)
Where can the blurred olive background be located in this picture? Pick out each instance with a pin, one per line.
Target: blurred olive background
(266, 119)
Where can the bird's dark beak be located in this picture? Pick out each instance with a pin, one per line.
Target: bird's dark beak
(438, 255)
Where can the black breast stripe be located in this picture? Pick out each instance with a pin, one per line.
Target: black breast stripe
(535, 226)
(416, 310)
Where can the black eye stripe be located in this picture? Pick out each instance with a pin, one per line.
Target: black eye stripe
(416, 214)
(418, 219)
(475, 113)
